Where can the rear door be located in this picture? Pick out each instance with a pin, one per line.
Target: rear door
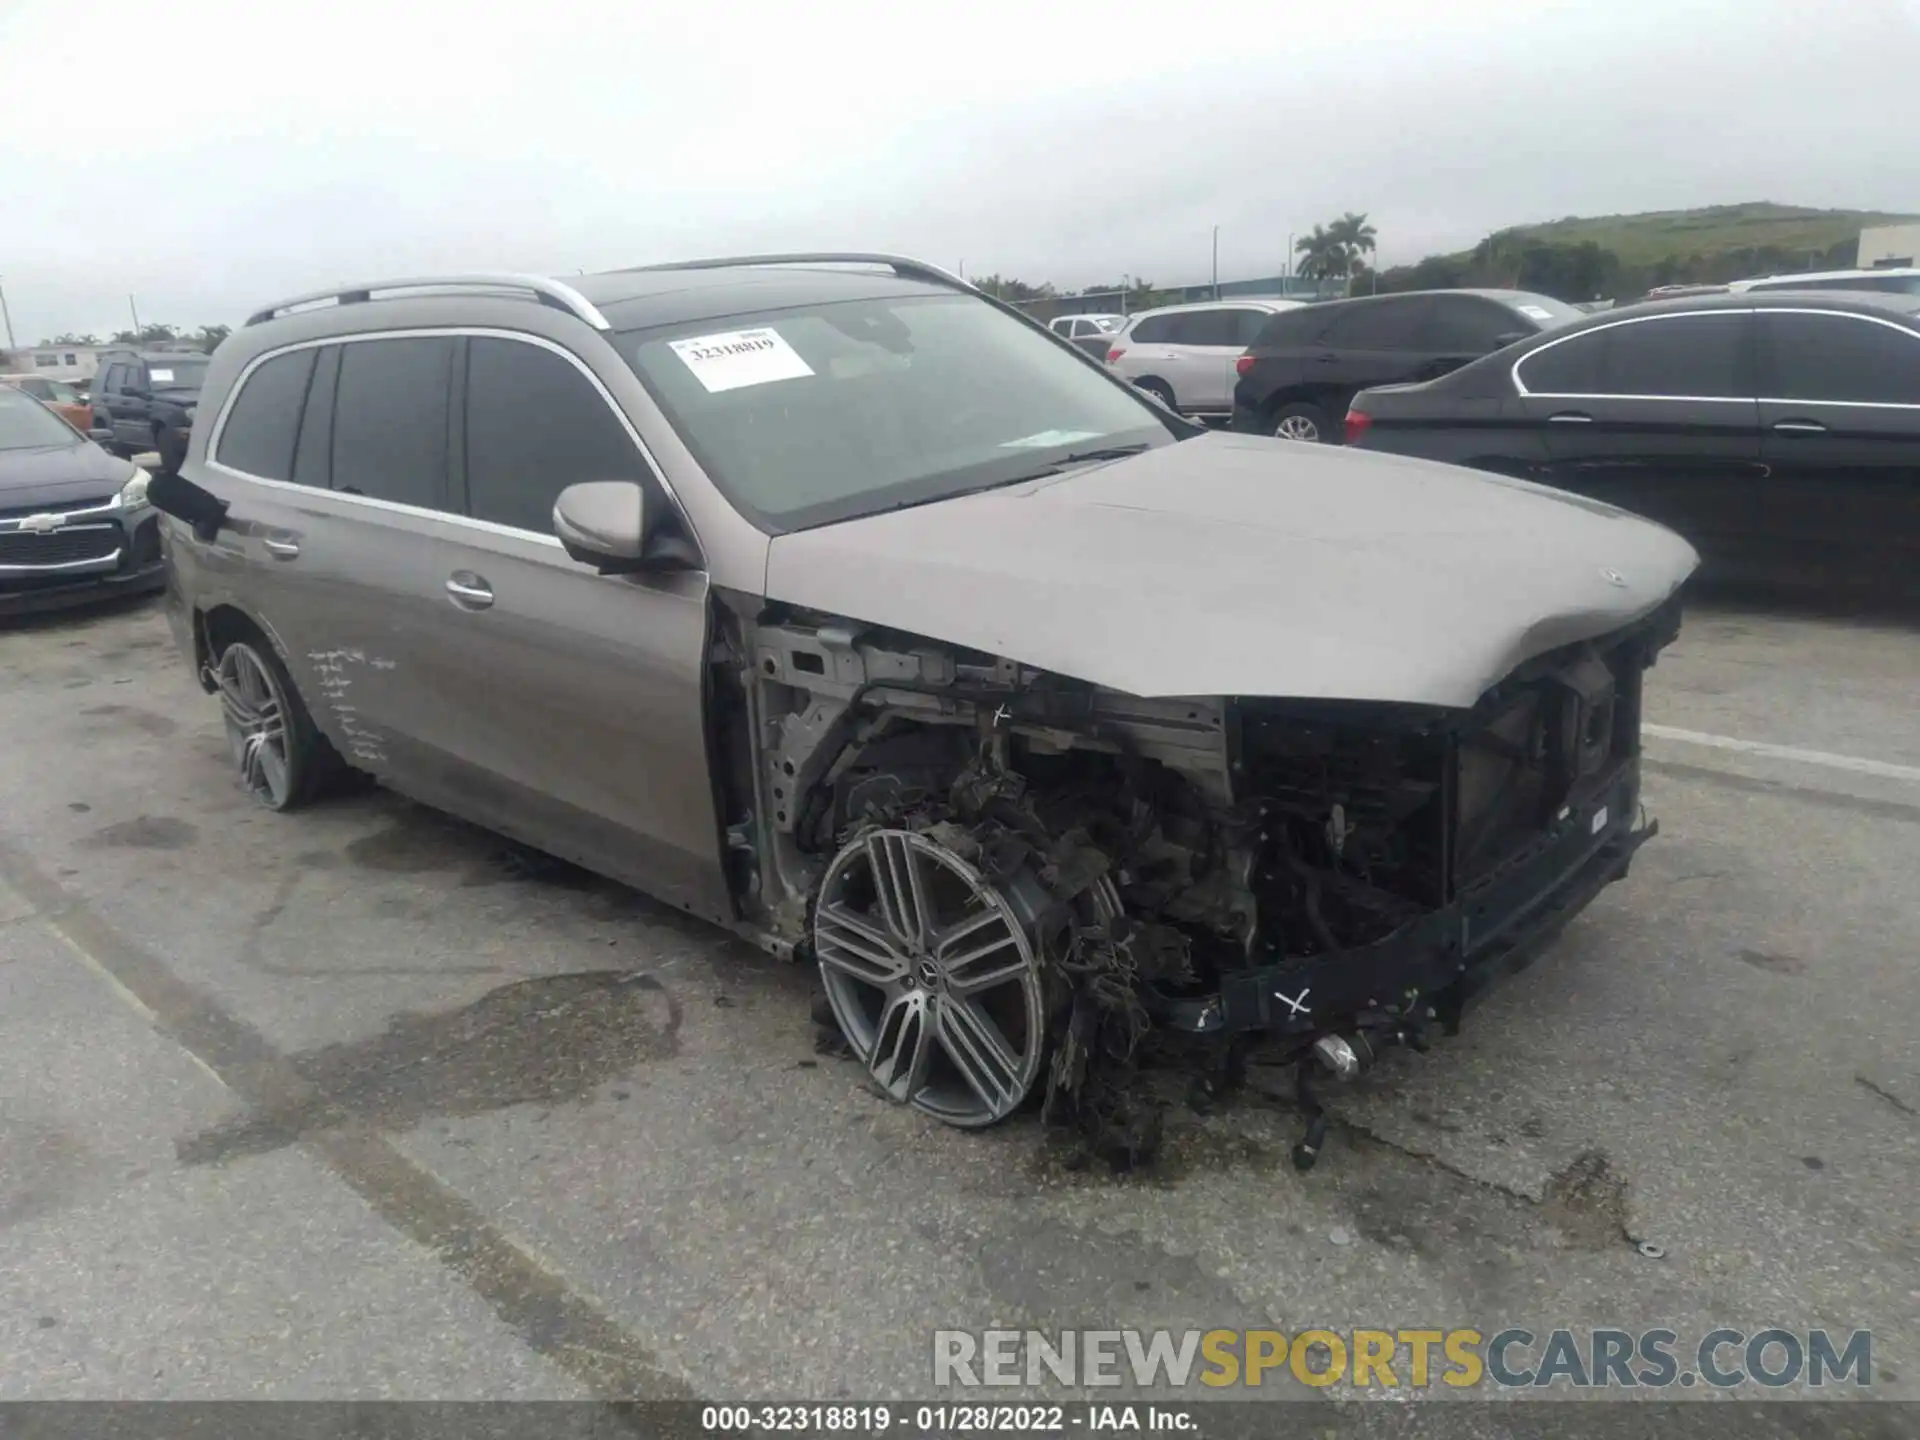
(1165, 347)
(333, 523)
(1657, 416)
(1840, 436)
(1211, 340)
(570, 703)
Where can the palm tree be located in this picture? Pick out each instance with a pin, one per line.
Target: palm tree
(1323, 256)
(1354, 234)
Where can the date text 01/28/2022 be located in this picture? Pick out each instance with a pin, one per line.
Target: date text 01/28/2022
(944, 1419)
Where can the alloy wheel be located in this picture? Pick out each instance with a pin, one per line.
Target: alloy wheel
(256, 714)
(931, 976)
(1298, 427)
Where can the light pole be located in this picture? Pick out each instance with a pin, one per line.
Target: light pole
(1289, 271)
(136, 318)
(1126, 293)
(1216, 262)
(7, 314)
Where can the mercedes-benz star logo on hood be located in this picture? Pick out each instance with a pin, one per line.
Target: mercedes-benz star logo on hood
(1613, 577)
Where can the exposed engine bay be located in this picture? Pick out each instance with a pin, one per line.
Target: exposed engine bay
(1009, 879)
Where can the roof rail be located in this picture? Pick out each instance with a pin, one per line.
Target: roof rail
(545, 291)
(901, 265)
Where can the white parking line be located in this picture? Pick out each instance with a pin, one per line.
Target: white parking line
(1885, 769)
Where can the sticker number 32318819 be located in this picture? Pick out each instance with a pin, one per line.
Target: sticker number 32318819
(740, 357)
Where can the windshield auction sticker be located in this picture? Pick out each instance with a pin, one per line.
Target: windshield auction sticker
(740, 357)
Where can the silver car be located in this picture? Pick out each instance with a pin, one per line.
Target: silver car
(1184, 354)
(834, 602)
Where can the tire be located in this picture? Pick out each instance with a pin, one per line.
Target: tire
(283, 759)
(1306, 423)
(1159, 389)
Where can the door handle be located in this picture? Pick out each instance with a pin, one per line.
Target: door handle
(1570, 417)
(469, 591)
(281, 548)
(1800, 427)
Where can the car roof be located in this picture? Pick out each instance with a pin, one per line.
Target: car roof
(639, 299)
(1863, 302)
(1856, 274)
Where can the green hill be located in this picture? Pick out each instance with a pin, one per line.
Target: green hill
(1657, 235)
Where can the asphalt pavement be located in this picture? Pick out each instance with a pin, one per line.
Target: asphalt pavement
(353, 1103)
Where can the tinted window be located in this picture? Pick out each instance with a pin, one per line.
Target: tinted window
(1211, 327)
(390, 420)
(1155, 330)
(1462, 325)
(111, 379)
(311, 455)
(535, 425)
(1247, 325)
(259, 434)
(1833, 357)
(1686, 355)
(1061, 327)
(1293, 327)
(1375, 325)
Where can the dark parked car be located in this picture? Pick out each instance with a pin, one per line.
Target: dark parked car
(74, 521)
(1779, 433)
(145, 400)
(1305, 365)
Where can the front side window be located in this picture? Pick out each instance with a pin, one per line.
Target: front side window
(26, 424)
(1467, 325)
(536, 425)
(823, 412)
(36, 387)
(390, 420)
(259, 433)
(1682, 356)
(1840, 359)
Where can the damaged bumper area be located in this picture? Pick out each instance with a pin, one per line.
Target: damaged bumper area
(1010, 880)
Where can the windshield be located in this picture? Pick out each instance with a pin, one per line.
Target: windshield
(1545, 311)
(821, 413)
(172, 374)
(26, 424)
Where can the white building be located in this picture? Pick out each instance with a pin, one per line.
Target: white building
(1883, 246)
(56, 362)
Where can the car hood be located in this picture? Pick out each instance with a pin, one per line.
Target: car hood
(1240, 565)
(58, 476)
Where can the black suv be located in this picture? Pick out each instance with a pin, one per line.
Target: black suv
(145, 400)
(1305, 365)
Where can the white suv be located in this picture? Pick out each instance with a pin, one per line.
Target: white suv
(1184, 353)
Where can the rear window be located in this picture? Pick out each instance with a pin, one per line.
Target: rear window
(822, 412)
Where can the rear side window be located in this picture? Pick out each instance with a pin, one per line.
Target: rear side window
(390, 420)
(1463, 325)
(1837, 358)
(536, 425)
(1686, 355)
(1375, 325)
(265, 420)
(1210, 327)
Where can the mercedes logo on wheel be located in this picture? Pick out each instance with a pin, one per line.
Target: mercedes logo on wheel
(1613, 577)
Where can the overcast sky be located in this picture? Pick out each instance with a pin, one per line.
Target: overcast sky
(206, 157)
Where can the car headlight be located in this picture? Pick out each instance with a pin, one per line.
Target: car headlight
(134, 492)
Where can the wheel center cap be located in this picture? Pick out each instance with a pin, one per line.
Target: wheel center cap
(928, 974)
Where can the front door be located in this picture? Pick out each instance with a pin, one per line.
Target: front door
(1657, 416)
(570, 706)
(1840, 437)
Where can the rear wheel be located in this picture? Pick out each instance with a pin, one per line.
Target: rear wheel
(282, 758)
(1303, 422)
(1159, 389)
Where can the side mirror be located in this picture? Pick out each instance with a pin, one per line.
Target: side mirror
(1500, 342)
(173, 494)
(603, 524)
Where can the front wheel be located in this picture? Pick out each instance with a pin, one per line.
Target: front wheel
(282, 758)
(1306, 423)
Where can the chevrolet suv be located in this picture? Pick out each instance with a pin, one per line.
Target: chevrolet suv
(835, 602)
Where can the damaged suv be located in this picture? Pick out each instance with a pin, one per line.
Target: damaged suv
(831, 600)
